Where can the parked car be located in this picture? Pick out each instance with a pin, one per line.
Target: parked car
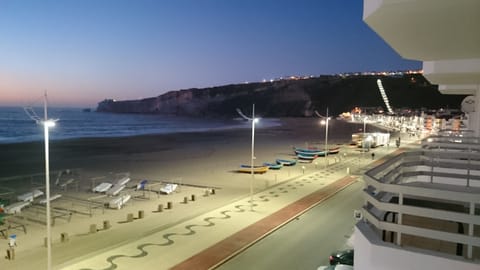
(336, 267)
(342, 257)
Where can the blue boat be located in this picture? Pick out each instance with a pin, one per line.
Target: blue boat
(286, 162)
(273, 166)
(308, 157)
(309, 152)
(306, 150)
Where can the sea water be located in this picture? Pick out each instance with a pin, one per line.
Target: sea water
(17, 126)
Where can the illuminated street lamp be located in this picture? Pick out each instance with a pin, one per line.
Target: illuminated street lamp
(325, 122)
(364, 131)
(254, 120)
(47, 123)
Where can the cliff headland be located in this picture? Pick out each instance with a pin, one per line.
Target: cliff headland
(292, 97)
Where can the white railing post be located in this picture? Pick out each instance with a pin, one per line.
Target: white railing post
(470, 231)
(399, 220)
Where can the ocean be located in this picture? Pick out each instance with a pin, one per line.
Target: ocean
(16, 126)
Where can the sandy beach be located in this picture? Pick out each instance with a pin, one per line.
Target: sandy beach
(198, 161)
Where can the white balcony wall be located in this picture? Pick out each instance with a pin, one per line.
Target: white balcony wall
(373, 254)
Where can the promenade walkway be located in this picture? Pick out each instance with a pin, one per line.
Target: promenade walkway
(210, 239)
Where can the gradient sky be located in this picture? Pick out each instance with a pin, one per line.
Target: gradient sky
(84, 51)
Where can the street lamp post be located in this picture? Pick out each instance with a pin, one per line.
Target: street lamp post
(324, 121)
(46, 125)
(253, 156)
(326, 139)
(364, 140)
(254, 120)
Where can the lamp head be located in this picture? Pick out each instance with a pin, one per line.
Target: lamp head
(49, 123)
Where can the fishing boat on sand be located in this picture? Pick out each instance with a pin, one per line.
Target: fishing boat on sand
(273, 166)
(308, 152)
(306, 158)
(286, 162)
(333, 150)
(256, 169)
(313, 152)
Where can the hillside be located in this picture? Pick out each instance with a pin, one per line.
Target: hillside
(292, 98)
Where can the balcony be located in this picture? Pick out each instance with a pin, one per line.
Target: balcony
(427, 201)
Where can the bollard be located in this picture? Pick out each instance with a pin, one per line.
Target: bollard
(185, 200)
(129, 217)
(207, 192)
(141, 214)
(169, 205)
(193, 197)
(160, 208)
(106, 224)
(64, 237)
(348, 170)
(213, 191)
(93, 228)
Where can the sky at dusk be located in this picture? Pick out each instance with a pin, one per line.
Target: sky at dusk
(84, 51)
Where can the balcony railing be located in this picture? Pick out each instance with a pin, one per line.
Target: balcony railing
(428, 196)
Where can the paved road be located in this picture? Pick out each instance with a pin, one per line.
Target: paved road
(305, 243)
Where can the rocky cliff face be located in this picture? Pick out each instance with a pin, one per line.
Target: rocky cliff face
(292, 98)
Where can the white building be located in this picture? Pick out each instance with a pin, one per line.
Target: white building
(422, 207)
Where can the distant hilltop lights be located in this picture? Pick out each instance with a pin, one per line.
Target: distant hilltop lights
(348, 74)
